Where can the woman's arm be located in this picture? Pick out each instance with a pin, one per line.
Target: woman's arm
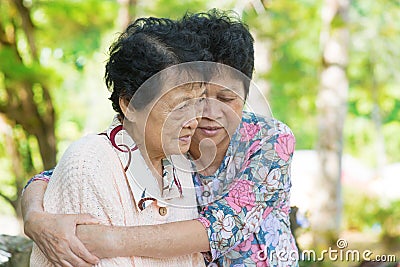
(54, 234)
(157, 241)
(32, 202)
(179, 238)
(185, 237)
(253, 197)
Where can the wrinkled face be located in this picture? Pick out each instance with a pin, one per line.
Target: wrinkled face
(222, 112)
(168, 123)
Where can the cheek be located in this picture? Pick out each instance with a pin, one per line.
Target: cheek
(234, 112)
(170, 122)
(172, 127)
(238, 106)
(153, 132)
(155, 124)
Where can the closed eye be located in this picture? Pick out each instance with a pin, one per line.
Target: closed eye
(226, 99)
(182, 106)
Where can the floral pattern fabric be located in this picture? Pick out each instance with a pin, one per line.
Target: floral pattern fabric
(245, 204)
(43, 176)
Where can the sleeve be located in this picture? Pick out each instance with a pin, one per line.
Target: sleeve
(89, 179)
(43, 176)
(263, 186)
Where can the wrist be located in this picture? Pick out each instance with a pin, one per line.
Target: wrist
(30, 221)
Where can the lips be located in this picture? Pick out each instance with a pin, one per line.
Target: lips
(210, 130)
(185, 139)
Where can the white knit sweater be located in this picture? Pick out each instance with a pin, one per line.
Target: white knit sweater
(90, 179)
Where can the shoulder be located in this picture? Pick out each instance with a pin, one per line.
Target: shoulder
(263, 126)
(272, 137)
(91, 144)
(91, 152)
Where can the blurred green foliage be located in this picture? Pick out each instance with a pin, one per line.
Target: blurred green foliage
(72, 38)
(293, 28)
(364, 212)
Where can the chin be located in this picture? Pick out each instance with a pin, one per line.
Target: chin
(213, 141)
(183, 149)
(177, 150)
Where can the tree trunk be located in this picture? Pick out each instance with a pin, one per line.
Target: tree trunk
(22, 109)
(380, 155)
(20, 106)
(127, 12)
(331, 109)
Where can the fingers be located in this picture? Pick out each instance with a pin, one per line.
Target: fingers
(81, 251)
(59, 244)
(64, 264)
(58, 258)
(75, 262)
(68, 259)
(86, 219)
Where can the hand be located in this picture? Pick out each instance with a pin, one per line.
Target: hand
(55, 235)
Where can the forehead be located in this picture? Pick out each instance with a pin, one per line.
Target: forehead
(225, 86)
(183, 92)
(227, 80)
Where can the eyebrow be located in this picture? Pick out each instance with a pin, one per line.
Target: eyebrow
(187, 98)
(229, 90)
(184, 99)
(202, 93)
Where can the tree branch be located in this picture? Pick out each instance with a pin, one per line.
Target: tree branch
(27, 26)
(7, 199)
(9, 41)
(3, 35)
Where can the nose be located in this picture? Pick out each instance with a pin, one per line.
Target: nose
(212, 108)
(192, 123)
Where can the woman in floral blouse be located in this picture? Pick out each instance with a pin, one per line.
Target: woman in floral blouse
(242, 179)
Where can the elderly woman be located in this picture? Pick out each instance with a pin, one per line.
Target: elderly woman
(243, 178)
(124, 175)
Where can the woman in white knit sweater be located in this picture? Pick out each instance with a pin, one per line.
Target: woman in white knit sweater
(125, 176)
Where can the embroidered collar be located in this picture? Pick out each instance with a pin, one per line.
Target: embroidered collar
(145, 187)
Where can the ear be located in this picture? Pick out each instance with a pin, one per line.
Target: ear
(128, 110)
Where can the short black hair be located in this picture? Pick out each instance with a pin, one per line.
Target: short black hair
(149, 45)
(146, 47)
(230, 41)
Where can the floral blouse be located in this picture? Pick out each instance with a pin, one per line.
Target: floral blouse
(244, 205)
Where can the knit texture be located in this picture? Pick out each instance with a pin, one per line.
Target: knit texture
(90, 179)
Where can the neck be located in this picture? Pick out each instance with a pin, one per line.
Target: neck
(152, 158)
(208, 157)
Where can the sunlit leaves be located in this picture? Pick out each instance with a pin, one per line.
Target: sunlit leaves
(373, 71)
(293, 28)
(173, 9)
(75, 27)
